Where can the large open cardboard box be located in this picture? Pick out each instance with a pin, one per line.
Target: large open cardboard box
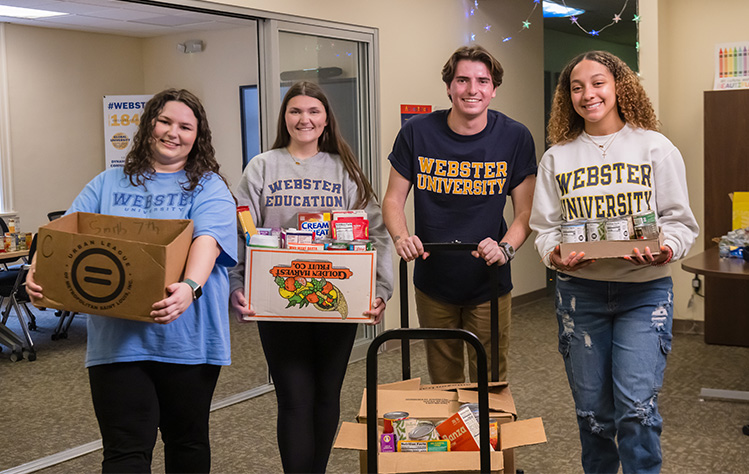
(110, 265)
(351, 276)
(436, 403)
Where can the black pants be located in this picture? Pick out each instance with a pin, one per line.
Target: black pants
(133, 400)
(308, 363)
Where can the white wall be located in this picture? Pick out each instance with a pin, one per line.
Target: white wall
(56, 81)
(228, 61)
(682, 65)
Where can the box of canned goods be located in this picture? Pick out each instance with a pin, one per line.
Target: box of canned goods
(612, 248)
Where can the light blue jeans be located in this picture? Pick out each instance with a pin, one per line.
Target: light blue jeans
(614, 337)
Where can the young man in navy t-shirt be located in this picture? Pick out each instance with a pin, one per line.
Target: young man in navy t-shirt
(462, 163)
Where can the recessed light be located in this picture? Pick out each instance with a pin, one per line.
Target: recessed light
(28, 13)
(555, 10)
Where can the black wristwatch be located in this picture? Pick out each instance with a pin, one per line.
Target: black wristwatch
(196, 289)
(508, 250)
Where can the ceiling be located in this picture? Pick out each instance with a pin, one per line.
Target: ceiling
(120, 17)
(598, 14)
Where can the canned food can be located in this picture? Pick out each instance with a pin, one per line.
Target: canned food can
(573, 232)
(360, 245)
(7, 241)
(336, 245)
(395, 422)
(645, 224)
(595, 230)
(617, 228)
(424, 430)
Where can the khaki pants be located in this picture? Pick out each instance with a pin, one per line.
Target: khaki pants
(445, 357)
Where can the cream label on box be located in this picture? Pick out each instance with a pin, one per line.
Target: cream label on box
(296, 285)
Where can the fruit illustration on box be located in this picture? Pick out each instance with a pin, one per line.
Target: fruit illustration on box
(319, 292)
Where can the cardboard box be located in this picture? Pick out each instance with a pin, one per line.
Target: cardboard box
(437, 403)
(110, 265)
(612, 248)
(299, 285)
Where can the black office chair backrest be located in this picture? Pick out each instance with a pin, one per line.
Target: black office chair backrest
(3, 226)
(32, 249)
(55, 215)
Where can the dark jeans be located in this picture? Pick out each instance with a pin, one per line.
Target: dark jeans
(308, 362)
(133, 400)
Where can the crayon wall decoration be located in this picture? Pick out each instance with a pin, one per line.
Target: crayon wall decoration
(731, 66)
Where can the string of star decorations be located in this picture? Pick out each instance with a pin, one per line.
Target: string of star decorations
(526, 24)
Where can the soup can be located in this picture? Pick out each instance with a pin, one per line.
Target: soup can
(595, 230)
(618, 228)
(645, 225)
(424, 430)
(395, 422)
(573, 232)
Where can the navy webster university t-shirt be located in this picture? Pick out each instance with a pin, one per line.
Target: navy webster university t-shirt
(461, 184)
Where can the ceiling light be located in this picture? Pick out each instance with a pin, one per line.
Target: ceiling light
(29, 13)
(555, 10)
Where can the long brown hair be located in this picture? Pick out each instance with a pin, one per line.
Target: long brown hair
(331, 140)
(633, 104)
(201, 159)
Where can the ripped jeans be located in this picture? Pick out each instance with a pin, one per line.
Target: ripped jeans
(614, 337)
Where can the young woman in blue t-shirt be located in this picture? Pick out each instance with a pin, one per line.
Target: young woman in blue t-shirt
(156, 376)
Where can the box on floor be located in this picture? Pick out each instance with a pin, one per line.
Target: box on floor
(437, 403)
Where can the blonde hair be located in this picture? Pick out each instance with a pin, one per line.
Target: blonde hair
(633, 104)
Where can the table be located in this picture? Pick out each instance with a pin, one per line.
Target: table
(15, 254)
(710, 264)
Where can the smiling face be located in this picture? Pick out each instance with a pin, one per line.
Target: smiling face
(306, 120)
(593, 94)
(471, 89)
(174, 132)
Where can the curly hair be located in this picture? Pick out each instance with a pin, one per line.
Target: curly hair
(201, 159)
(633, 104)
(331, 140)
(473, 53)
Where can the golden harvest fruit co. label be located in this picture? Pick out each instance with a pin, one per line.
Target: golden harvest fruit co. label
(304, 283)
(310, 285)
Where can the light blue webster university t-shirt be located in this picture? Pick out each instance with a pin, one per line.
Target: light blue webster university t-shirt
(201, 334)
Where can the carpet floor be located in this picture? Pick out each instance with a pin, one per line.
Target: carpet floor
(47, 407)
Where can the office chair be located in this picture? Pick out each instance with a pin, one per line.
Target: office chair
(55, 215)
(66, 317)
(12, 287)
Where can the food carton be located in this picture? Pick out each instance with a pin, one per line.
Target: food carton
(299, 285)
(437, 403)
(110, 265)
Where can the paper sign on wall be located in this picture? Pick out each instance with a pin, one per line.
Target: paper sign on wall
(121, 119)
